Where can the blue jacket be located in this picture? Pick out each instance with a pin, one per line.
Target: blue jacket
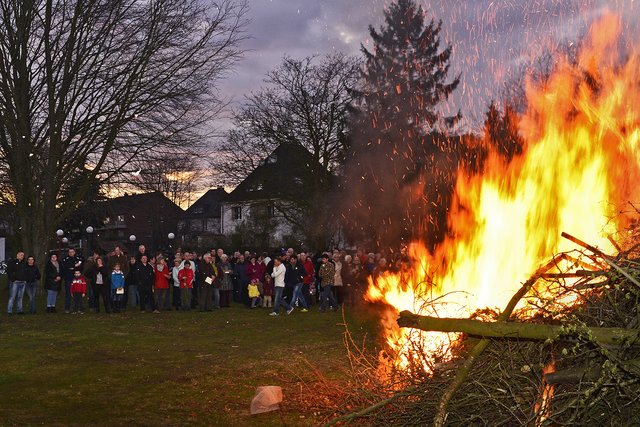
(117, 280)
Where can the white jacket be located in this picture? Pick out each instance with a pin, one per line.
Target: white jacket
(278, 275)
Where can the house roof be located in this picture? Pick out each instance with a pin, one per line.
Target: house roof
(148, 201)
(287, 173)
(207, 205)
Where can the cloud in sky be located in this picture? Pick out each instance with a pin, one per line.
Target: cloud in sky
(490, 39)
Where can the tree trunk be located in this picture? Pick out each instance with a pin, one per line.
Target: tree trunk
(513, 330)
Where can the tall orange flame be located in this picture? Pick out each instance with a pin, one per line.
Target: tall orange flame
(582, 136)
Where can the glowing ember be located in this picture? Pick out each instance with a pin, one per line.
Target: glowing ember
(582, 135)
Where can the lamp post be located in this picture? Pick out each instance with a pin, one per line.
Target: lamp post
(132, 239)
(89, 231)
(59, 234)
(171, 236)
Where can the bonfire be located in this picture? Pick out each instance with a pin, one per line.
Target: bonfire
(528, 313)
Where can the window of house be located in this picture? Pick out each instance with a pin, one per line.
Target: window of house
(120, 218)
(271, 159)
(271, 211)
(236, 212)
(255, 187)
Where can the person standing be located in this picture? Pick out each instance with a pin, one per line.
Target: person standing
(145, 276)
(327, 273)
(17, 275)
(33, 275)
(298, 273)
(176, 283)
(78, 291)
(208, 276)
(117, 288)
(161, 283)
(242, 280)
(225, 271)
(131, 281)
(337, 278)
(186, 278)
(278, 274)
(102, 288)
(70, 264)
(52, 282)
(308, 279)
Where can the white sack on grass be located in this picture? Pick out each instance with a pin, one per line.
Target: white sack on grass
(266, 399)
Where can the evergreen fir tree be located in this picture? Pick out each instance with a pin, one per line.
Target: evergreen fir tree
(402, 164)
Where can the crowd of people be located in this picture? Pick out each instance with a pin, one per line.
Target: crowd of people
(187, 280)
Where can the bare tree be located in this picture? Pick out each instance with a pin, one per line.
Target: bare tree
(93, 84)
(304, 102)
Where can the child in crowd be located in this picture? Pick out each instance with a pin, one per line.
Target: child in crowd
(117, 287)
(268, 291)
(186, 277)
(254, 293)
(78, 291)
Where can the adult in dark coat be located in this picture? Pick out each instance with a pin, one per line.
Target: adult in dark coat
(207, 277)
(52, 282)
(69, 264)
(33, 275)
(240, 293)
(17, 276)
(146, 277)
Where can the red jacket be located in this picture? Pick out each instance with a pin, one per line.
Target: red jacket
(162, 278)
(79, 285)
(256, 271)
(185, 276)
(308, 266)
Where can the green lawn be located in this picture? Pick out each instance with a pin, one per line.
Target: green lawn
(164, 369)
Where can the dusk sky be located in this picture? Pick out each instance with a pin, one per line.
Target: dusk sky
(490, 39)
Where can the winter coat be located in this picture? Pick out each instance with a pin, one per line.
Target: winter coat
(208, 270)
(50, 274)
(117, 279)
(186, 278)
(226, 280)
(79, 285)
(17, 271)
(33, 273)
(161, 281)
(68, 266)
(145, 276)
(327, 273)
(240, 270)
(255, 271)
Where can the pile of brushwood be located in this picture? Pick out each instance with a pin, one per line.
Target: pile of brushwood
(571, 358)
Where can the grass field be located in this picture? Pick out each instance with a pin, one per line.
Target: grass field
(171, 368)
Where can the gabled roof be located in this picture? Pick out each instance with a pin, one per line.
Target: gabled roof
(208, 205)
(149, 201)
(287, 173)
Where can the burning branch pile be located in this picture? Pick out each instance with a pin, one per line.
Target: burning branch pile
(570, 355)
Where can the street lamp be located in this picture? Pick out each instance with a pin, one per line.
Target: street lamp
(132, 238)
(59, 234)
(89, 231)
(171, 236)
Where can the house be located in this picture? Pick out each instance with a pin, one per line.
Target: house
(150, 217)
(269, 204)
(204, 217)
